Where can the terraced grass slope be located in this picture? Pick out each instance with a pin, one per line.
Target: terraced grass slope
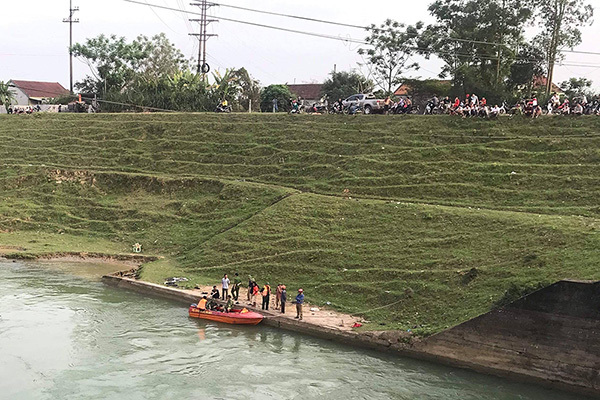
(444, 219)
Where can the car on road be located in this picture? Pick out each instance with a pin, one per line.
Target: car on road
(366, 102)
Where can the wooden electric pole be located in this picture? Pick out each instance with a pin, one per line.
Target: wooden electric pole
(203, 36)
(71, 21)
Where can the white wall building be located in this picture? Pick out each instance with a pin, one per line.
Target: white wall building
(29, 93)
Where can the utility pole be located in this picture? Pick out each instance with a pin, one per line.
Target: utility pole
(203, 36)
(71, 21)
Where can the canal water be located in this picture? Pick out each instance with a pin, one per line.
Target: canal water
(65, 335)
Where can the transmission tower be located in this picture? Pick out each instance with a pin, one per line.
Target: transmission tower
(203, 36)
(71, 21)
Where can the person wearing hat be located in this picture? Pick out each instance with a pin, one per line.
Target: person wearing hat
(266, 296)
(283, 298)
(299, 303)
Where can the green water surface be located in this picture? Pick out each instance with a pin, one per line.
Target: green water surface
(65, 335)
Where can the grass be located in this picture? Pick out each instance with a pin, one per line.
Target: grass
(446, 217)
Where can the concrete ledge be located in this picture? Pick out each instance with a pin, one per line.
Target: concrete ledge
(479, 345)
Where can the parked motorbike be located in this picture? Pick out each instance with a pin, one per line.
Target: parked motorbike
(223, 109)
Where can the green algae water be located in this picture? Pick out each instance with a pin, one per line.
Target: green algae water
(65, 335)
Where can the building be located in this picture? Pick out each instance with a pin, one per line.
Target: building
(29, 93)
(421, 91)
(429, 86)
(540, 82)
(310, 93)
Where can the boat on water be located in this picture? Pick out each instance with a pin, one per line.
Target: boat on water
(235, 316)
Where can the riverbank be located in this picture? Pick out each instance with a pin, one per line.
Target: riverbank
(98, 341)
(547, 338)
(412, 224)
(442, 221)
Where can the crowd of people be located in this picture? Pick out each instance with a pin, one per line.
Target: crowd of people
(230, 292)
(469, 106)
(473, 106)
(23, 109)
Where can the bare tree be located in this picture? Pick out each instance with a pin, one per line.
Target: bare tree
(391, 47)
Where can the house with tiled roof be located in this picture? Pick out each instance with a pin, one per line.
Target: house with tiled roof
(310, 93)
(540, 82)
(29, 93)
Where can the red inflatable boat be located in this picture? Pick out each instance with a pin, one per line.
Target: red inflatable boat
(237, 317)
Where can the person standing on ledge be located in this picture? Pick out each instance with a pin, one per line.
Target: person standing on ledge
(250, 280)
(278, 296)
(254, 293)
(235, 290)
(266, 295)
(225, 282)
(283, 298)
(299, 303)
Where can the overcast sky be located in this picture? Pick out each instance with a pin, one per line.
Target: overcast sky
(35, 40)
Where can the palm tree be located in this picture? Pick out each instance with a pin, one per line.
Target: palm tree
(6, 95)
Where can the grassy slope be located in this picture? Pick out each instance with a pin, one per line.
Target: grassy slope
(261, 194)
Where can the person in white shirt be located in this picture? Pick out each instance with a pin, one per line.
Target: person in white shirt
(225, 283)
(474, 100)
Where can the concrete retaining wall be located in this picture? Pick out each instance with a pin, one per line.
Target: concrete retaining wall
(551, 337)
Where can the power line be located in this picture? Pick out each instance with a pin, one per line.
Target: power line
(375, 28)
(346, 40)
(292, 16)
(257, 24)
(372, 28)
(163, 21)
(96, 98)
(128, 104)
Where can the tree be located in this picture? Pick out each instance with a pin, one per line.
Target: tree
(340, 85)
(162, 57)
(225, 85)
(391, 47)
(249, 93)
(560, 21)
(7, 96)
(280, 92)
(577, 87)
(528, 65)
(116, 64)
(461, 36)
(152, 72)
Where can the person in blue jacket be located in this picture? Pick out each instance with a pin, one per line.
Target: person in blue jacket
(299, 303)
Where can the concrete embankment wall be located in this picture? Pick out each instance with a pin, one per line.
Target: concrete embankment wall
(376, 342)
(551, 337)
